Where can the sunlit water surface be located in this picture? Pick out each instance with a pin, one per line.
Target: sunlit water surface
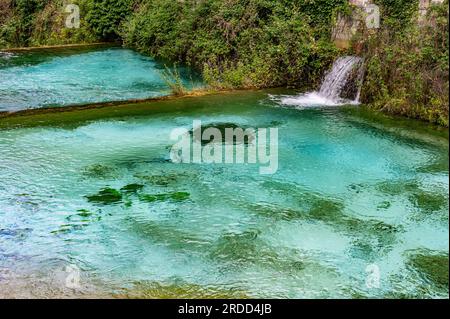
(66, 76)
(353, 200)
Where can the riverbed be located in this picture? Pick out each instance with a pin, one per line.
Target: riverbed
(91, 204)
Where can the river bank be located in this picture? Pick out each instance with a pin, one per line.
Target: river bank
(290, 44)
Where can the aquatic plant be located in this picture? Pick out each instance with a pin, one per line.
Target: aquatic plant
(425, 201)
(175, 196)
(132, 188)
(100, 171)
(159, 180)
(173, 80)
(398, 187)
(429, 202)
(106, 196)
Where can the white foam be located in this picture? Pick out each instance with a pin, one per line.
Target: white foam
(331, 89)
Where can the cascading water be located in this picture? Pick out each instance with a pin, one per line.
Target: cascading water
(338, 77)
(336, 87)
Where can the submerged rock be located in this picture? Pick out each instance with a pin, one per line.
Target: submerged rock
(106, 196)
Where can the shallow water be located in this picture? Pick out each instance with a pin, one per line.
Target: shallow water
(66, 76)
(351, 192)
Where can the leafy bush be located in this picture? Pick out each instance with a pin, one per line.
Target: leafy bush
(408, 68)
(238, 43)
(105, 17)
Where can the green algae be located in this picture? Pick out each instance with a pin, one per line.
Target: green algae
(158, 180)
(363, 249)
(326, 210)
(83, 216)
(314, 208)
(439, 166)
(68, 228)
(398, 187)
(424, 200)
(429, 202)
(275, 212)
(181, 290)
(106, 196)
(100, 171)
(433, 266)
(132, 188)
(174, 197)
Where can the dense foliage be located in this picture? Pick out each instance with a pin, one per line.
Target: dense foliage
(238, 43)
(408, 64)
(259, 43)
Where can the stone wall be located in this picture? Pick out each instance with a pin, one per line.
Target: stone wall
(347, 26)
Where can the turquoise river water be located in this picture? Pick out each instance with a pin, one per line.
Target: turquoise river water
(358, 207)
(57, 77)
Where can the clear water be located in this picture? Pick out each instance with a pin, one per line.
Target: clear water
(350, 192)
(69, 76)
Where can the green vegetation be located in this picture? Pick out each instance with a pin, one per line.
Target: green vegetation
(132, 188)
(407, 62)
(106, 196)
(238, 43)
(180, 290)
(431, 265)
(176, 197)
(259, 43)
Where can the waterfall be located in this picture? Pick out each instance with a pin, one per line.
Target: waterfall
(341, 85)
(337, 78)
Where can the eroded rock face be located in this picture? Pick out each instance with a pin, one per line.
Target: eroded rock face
(348, 25)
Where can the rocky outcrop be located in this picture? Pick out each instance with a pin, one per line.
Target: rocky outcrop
(347, 25)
